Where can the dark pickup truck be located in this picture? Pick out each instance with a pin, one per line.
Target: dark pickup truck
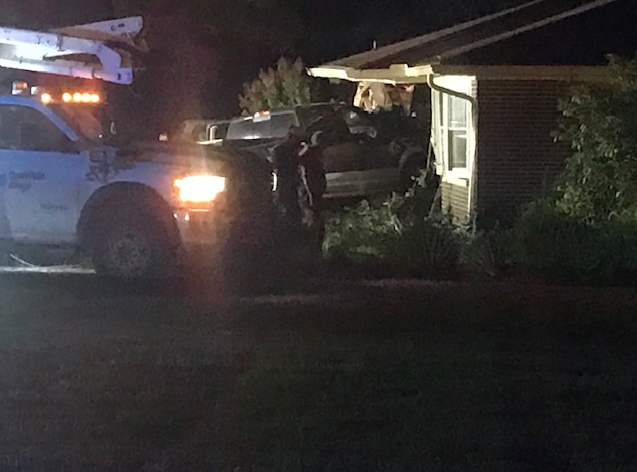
(365, 153)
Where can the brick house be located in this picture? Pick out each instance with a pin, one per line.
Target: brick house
(495, 83)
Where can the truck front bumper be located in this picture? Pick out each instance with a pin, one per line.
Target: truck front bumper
(217, 234)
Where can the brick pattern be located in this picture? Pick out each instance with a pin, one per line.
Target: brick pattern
(518, 158)
(455, 200)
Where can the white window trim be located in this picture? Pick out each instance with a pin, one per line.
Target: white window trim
(457, 176)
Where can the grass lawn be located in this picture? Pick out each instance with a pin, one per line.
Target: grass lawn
(392, 378)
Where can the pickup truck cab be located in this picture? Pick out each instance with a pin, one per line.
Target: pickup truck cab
(135, 208)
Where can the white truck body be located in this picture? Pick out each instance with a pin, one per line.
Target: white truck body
(58, 189)
(43, 191)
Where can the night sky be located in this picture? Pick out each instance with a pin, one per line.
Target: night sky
(204, 50)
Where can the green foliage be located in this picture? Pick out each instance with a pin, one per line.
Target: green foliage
(562, 248)
(402, 232)
(488, 252)
(551, 243)
(363, 232)
(412, 245)
(600, 123)
(283, 86)
(586, 232)
(429, 245)
(545, 242)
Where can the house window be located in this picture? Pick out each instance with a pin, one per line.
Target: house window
(453, 136)
(457, 131)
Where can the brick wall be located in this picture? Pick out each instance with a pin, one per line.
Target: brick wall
(517, 155)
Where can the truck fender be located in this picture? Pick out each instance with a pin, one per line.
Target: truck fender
(124, 194)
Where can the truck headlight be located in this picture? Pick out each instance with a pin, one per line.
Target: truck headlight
(200, 188)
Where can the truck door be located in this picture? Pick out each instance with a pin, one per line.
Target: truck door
(40, 173)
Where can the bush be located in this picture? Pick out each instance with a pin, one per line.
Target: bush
(284, 86)
(397, 234)
(488, 252)
(562, 248)
(428, 245)
(600, 124)
(363, 232)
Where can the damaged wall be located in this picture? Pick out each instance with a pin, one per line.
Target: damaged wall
(372, 95)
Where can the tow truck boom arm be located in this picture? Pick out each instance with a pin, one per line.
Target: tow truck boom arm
(94, 51)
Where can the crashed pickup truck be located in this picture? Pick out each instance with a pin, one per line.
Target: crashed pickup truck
(138, 210)
(362, 154)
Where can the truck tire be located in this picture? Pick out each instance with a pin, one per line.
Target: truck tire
(131, 246)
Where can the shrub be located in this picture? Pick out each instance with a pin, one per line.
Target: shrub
(411, 244)
(488, 252)
(562, 248)
(428, 245)
(283, 86)
(599, 122)
(621, 236)
(363, 232)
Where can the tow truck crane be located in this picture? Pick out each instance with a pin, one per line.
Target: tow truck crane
(134, 208)
(99, 50)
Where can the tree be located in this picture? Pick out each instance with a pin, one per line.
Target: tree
(285, 85)
(599, 121)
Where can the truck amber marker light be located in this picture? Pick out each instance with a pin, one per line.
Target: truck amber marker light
(78, 97)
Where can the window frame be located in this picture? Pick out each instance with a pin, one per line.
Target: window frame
(442, 103)
(69, 146)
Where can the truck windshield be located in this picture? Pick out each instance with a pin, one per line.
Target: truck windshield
(276, 125)
(89, 121)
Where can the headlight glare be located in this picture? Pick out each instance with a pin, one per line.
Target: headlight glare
(200, 188)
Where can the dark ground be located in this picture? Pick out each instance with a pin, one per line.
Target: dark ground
(345, 377)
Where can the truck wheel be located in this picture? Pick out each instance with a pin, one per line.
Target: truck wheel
(132, 248)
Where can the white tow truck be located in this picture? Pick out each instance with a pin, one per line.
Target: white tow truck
(135, 208)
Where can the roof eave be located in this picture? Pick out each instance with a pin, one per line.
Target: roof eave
(394, 74)
(404, 74)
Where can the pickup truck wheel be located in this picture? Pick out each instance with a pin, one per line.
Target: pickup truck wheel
(132, 248)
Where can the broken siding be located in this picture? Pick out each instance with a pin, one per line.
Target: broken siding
(455, 201)
(518, 158)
